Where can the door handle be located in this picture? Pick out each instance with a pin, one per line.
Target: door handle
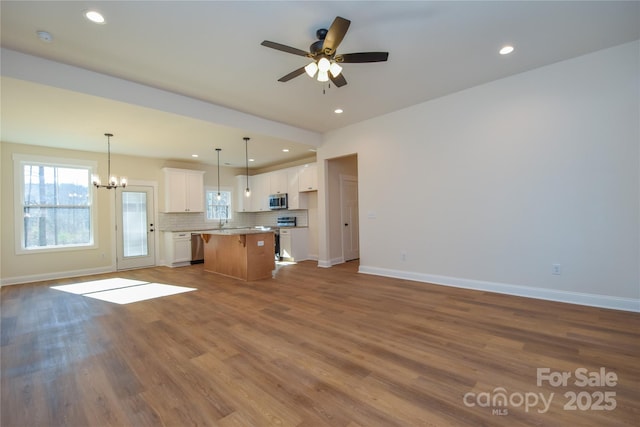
(346, 225)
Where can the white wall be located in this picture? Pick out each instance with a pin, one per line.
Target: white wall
(488, 187)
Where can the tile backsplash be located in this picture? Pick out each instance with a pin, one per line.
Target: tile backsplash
(196, 221)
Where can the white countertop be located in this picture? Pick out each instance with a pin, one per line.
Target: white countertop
(234, 231)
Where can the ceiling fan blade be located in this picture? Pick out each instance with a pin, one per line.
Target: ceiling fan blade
(363, 57)
(338, 81)
(292, 75)
(335, 34)
(284, 48)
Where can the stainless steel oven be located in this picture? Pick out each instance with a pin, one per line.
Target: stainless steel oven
(283, 222)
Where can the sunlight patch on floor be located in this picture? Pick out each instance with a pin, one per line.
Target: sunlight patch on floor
(122, 291)
(98, 285)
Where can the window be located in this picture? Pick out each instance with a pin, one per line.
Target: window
(218, 209)
(53, 204)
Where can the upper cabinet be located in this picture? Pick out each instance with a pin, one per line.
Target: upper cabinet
(296, 199)
(243, 203)
(308, 177)
(260, 192)
(278, 182)
(258, 199)
(294, 181)
(184, 190)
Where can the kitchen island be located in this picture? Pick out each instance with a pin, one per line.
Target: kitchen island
(245, 254)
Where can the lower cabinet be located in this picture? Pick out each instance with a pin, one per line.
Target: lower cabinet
(177, 246)
(294, 244)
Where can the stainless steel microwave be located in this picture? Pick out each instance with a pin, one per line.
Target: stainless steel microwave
(278, 201)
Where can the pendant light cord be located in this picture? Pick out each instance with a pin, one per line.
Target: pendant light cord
(218, 150)
(108, 135)
(246, 157)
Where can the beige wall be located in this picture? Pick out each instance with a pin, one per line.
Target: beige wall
(27, 267)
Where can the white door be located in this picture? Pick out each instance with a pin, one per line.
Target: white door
(350, 224)
(135, 237)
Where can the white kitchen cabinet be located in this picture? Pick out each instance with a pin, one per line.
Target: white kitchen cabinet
(184, 190)
(260, 193)
(294, 244)
(177, 246)
(278, 182)
(258, 201)
(308, 177)
(296, 199)
(243, 203)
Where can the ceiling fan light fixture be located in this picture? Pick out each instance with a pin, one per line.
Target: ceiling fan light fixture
(324, 65)
(323, 76)
(311, 69)
(335, 69)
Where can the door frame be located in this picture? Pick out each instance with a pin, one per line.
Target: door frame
(114, 234)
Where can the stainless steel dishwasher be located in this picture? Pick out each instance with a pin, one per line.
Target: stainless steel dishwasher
(197, 248)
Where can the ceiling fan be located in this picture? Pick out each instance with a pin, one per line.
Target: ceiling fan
(325, 62)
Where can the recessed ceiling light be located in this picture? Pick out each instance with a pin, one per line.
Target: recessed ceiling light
(94, 16)
(194, 155)
(285, 150)
(252, 160)
(313, 150)
(338, 111)
(506, 50)
(45, 36)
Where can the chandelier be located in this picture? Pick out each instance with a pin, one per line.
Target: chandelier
(113, 180)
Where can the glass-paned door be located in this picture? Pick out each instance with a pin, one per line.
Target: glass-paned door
(136, 228)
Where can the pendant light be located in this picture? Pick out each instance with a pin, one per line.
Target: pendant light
(218, 196)
(112, 179)
(247, 192)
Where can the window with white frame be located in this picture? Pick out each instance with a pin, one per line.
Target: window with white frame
(54, 209)
(218, 210)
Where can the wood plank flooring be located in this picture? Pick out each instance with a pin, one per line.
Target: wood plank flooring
(312, 347)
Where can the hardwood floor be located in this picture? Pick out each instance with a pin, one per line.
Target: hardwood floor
(313, 347)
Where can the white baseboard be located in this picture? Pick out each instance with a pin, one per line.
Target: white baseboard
(328, 263)
(592, 300)
(54, 276)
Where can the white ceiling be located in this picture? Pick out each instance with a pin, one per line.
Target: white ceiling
(206, 56)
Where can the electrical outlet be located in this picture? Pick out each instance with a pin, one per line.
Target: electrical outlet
(556, 269)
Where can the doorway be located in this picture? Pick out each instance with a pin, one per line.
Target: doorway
(135, 227)
(349, 209)
(343, 228)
